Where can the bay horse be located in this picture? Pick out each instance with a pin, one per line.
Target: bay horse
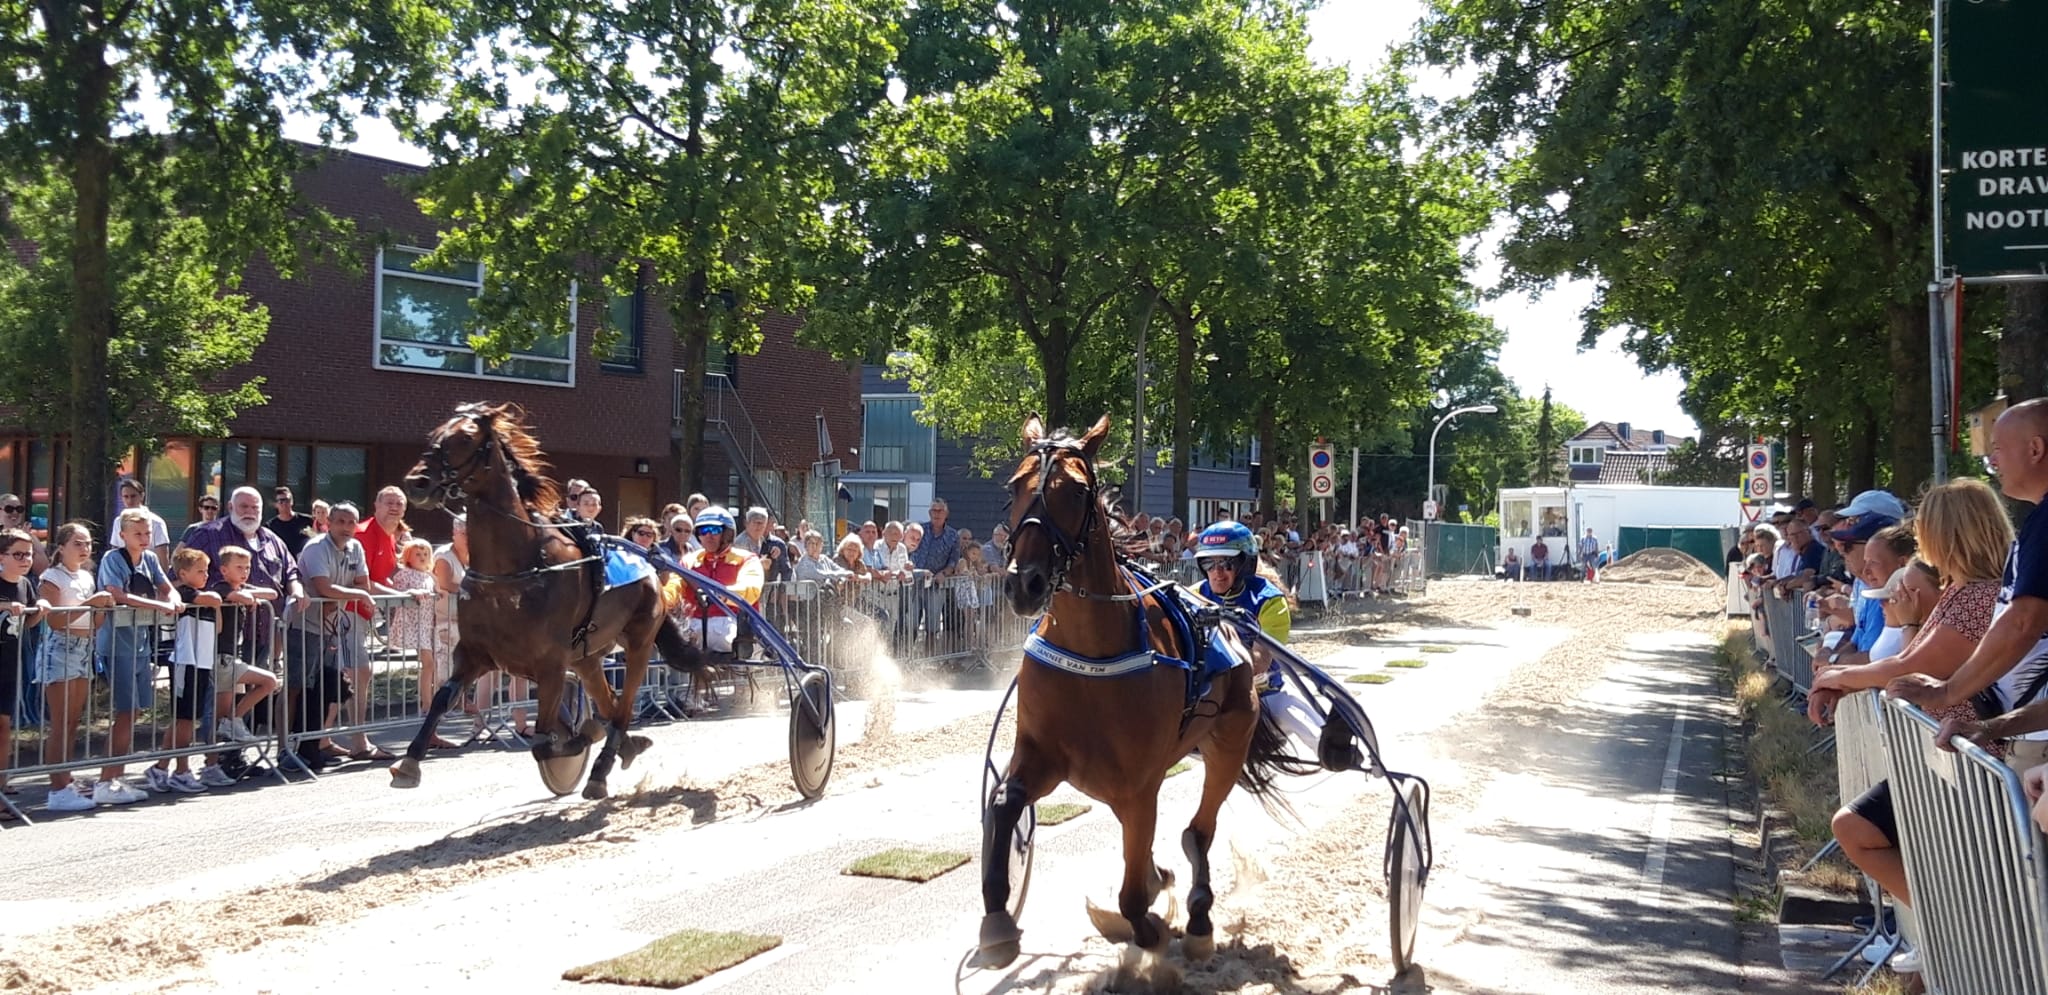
(527, 604)
(1112, 737)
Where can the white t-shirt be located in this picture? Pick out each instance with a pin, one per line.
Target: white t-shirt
(1890, 642)
(193, 639)
(73, 587)
(1784, 560)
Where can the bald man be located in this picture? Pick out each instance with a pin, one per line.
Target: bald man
(2014, 653)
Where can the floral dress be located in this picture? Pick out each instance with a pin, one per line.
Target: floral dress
(412, 623)
(1966, 608)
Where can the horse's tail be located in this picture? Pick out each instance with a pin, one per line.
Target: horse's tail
(677, 652)
(1265, 764)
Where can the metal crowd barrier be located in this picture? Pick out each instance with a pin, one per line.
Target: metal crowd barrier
(1860, 763)
(1786, 620)
(1977, 865)
(351, 669)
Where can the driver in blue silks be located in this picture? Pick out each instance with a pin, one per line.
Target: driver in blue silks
(1229, 560)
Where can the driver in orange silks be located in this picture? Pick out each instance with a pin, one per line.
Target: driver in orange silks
(739, 570)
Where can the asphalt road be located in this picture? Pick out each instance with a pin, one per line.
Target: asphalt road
(1589, 853)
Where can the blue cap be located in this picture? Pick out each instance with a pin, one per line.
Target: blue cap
(1866, 526)
(1874, 503)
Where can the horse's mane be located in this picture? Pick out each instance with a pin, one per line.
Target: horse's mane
(507, 424)
(1126, 540)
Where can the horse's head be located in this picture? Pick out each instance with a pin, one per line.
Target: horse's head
(1055, 505)
(459, 458)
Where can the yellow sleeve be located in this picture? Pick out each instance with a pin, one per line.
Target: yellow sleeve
(1274, 618)
(748, 584)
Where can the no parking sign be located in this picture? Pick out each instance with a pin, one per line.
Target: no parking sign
(1322, 460)
(1756, 484)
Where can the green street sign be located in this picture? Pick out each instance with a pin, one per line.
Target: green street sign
(1996, 134)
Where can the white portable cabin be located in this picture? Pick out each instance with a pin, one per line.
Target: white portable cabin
(1565, 513)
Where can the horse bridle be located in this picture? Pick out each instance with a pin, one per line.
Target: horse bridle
(1065, 548)
(448, 485)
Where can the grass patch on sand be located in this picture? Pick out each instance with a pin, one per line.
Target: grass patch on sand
(1179, 768)
(1407, 664)
(905, 864)
(1368, 678)
(1058, 812)
(676, 960)
(1439, 649)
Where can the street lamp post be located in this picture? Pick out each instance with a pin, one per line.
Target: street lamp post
(1477, 409)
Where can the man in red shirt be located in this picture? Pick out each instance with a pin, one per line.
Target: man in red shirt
(380, 537)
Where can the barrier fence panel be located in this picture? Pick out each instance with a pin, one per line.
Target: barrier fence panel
(353, 667)
(1976, 864)
(1786, 620)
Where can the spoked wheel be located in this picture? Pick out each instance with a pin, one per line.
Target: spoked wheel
(1407, 868)
(813, 734)
(562, 774)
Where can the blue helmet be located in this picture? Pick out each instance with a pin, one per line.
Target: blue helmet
(715, 517)
(1225, 538)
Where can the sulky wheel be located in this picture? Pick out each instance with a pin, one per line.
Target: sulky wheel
(813, 734)
(562, 774)
(1019, 851)
(1407, 869)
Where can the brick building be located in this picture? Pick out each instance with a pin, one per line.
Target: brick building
(364, 358)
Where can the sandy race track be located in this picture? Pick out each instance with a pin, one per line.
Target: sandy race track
(511, 898)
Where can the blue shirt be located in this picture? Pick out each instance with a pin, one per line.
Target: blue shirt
(939, 550)
(2026, 576)
(1869, 623)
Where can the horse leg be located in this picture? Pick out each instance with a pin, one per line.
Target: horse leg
(1231, 736)
(466, 668)
(1149, 935)
(606, 704)
(1025, 783)
(629, 746)
(550, 739)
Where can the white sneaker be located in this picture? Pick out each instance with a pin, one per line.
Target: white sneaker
(184, 783)
(213, 777)
(235, 731)
(1906, 961)
(158, 779)
(115, 792)
(70, 798)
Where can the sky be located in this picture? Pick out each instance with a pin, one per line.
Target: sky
(1603, 383)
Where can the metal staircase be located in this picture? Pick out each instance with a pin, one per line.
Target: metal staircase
(727, 423)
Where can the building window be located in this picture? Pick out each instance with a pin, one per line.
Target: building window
(423, 317)
(892, 439)
(882, 501)
(626, 353)
(1588, 455)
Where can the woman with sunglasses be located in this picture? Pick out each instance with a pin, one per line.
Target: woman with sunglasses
(209, 509)
(14, 515)
(1229, 560)
(20, 610)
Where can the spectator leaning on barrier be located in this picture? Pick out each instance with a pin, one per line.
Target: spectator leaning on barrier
(2013, 657)
(1873, 553)
(939, 554)
(64, 665)
(127, 644)
(132, 498)
(20, 609)
(326, 647)
(1963, 537)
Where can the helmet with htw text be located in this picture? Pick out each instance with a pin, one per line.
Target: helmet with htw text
(715, 517)
(1225, 538)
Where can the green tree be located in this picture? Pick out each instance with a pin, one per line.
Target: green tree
(212, 185)
(706, 141)
(1749, 184)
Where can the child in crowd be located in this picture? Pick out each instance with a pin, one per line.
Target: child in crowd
(64, 664)
(967, 589)
(412, 622)
(20, 608)
(192, 650)
(244, 606)
(138, 582)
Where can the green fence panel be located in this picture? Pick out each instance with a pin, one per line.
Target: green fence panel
(1452, 548)
(1708, 545)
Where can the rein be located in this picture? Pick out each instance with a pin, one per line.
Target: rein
(450, 487)
(1065, 548)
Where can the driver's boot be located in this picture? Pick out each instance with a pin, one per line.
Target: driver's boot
(1336, 750)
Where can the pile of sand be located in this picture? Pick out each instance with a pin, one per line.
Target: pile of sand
(1661, 565)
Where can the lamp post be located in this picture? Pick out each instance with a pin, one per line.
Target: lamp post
(1478, 409)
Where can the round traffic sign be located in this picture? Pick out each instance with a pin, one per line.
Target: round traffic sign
(1760, 487)
(1759, 459)
(1320, 485)
(1320, 459)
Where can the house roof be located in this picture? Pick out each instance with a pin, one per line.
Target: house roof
(1622, 467)
(1609, 433)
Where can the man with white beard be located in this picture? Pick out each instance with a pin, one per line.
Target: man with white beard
(271, 565)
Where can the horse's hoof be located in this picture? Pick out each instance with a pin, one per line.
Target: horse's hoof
(634, 746)
(1001, 941)
(405, 773)
(1198, 949)
(1111, 924)
(595, 791)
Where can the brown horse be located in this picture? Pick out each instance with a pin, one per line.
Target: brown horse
(1114, 738)
(527, 600)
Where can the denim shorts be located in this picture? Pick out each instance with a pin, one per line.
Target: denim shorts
(130, 653)
(63, 657)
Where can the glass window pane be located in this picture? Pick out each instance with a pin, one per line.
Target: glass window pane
(8, 451)
(530, 369)
(419, 311)
(623, 315)
(894, 441)
(421, 358)
(234, 466)
(41, 493)
(407, 261)
(210, 454)
(170, 485)
(265, 477)
(551, 347)
(340, 474)
(298, 470)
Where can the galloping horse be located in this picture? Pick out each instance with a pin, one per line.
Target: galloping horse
(527, 601)
(1112, 737)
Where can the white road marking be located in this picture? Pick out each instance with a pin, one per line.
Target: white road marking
(1660, 822)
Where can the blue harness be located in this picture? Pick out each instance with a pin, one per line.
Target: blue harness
(1212, 660)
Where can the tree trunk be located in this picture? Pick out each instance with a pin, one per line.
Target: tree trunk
(1822, 464)
(90, 324)
(1912, 438)
(1183, 410)
(1862, 450)
(693, 331)
(1269, 459)
(1795, 458)
(1052, 355)
(2023, 348)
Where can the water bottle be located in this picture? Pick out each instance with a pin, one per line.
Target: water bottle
(1813, 611)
